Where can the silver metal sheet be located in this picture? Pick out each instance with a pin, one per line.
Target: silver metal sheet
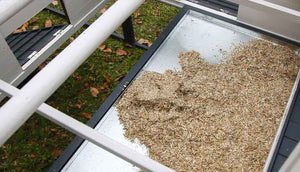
(198, 32)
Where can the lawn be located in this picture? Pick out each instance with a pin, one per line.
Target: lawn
(39, 142)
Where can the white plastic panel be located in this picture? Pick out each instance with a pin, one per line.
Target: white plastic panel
(9, 66)
(275, 23)
(78, 9)
(293, 4)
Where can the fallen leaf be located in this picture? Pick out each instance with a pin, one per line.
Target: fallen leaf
(87, 84)
(33, 20)
(72, 38)
(35, 27)
(24, 26)
(78, 77)
(119, 78)
(140, 22)
(103, 97)
(48, 23)
(92, 77)
(157, 13)
(53, 129)
(145, 42)
(57, 153)
(128, 45)
(17, 31)
(102, 10)
(94, 91)
(137, 13)
(4, 157)
(70, 104)
(32, 155)
(55, 3)
(19, 169)
(107, 50)
(106, 78)
(103, 87)
(102, 46)
(106, 83)
(78, 105)
(121, 52)
(88, 116)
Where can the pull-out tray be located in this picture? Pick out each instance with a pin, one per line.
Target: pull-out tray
(192, 29)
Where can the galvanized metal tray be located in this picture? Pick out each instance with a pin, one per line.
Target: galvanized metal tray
(192, 29)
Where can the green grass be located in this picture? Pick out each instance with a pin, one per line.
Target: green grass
(39, 142)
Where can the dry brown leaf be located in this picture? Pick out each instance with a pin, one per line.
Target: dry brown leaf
(4, 157)
(57, 153)
(87, 84)
(137, 13)
(35, 27)
(94, 91)
(119, 78)
(145, 42)
(106, 78)
(128, 45)
(78, 77)
(88, 116)
(102, 46)
(70, 104)
(140, 22)
(72, 38)
(121, 52)
(102, 10)
(103, 97)
(24, 26)
(102, 87)
(92, 77)
(48, 23)
(31, 21)
(53, 129)
(19, 169)
(78, 105)
(17, 31)
(32, 155)
(55, 3)
(107, 50)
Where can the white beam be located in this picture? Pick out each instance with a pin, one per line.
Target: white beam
(8, 8)
(21, 106)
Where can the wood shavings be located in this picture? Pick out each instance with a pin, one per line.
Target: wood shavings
(212, 117)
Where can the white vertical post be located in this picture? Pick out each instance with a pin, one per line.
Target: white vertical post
(21, 106)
